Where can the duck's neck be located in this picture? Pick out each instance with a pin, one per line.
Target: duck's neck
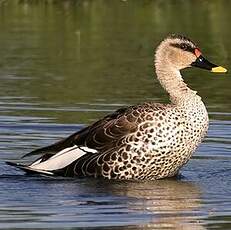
(172, 81)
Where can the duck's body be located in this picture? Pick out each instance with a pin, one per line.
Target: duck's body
(148, 141)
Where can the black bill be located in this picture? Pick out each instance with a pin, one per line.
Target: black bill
(201, 62)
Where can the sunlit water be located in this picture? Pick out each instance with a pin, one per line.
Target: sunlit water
(64, 64)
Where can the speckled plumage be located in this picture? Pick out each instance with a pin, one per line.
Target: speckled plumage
(147, 141)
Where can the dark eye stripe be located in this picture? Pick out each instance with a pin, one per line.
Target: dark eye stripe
(184, 46)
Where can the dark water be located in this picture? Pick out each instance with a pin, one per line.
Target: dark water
(64, 64)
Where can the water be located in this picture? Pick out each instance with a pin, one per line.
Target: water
(65, 64)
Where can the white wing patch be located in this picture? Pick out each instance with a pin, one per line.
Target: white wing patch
(62, 158)
(88, 150)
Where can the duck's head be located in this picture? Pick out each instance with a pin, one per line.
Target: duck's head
(180, 52)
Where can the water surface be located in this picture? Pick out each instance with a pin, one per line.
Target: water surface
(65, 64)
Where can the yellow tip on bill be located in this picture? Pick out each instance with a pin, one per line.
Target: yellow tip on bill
(219, 69)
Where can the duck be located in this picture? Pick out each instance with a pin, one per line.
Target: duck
(147, 141)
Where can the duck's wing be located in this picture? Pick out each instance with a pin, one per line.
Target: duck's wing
(94, 139)
(100, 135)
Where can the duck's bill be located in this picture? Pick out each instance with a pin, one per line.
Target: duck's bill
(201, 62)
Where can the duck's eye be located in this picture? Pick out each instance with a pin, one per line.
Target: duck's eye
(183, 46)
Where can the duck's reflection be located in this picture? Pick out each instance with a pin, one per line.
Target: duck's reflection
(172, 204)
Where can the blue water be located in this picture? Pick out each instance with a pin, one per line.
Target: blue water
(197, 199)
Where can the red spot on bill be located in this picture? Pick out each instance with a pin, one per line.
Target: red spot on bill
(197, 52)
